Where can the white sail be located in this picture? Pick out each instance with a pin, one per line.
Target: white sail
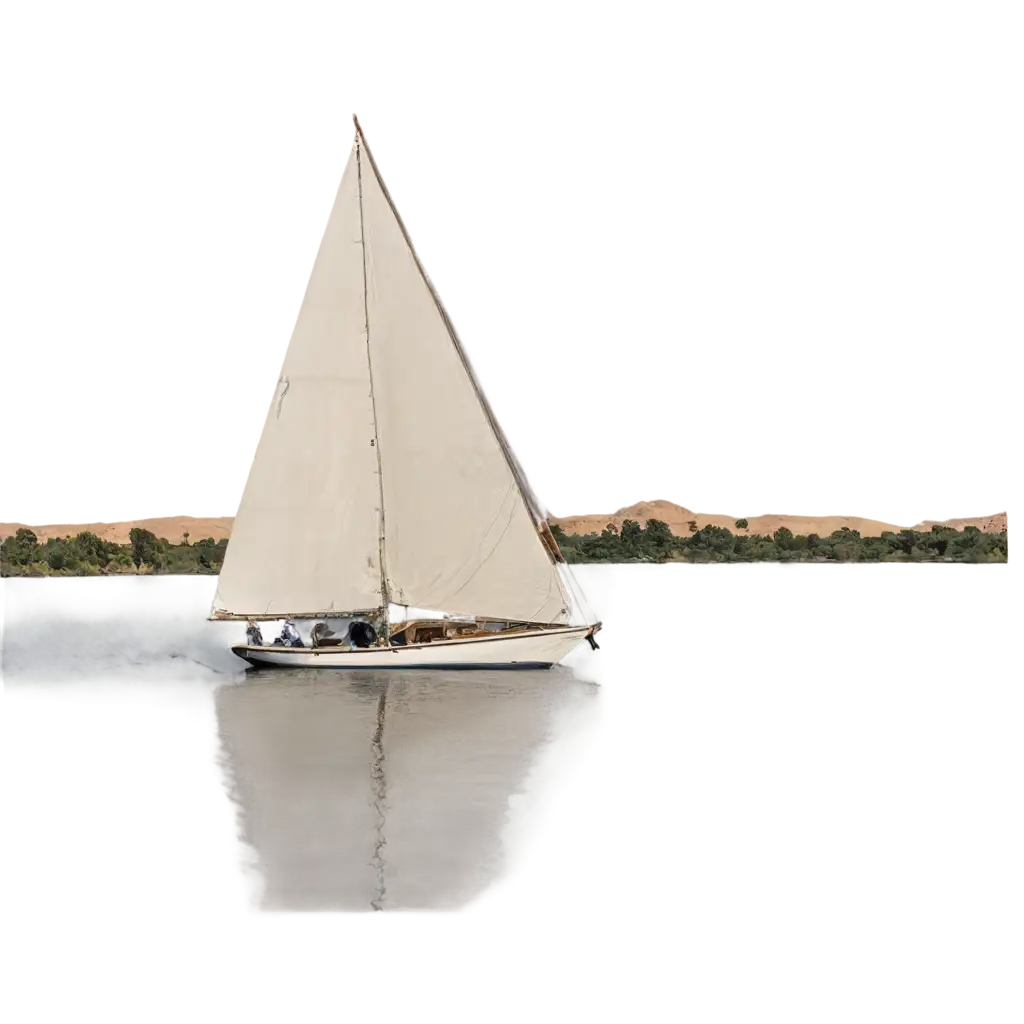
(305, 539)
(378, 415)
(459, 535)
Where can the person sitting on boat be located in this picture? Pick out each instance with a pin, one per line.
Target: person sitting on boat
(290, 635)
(253, 636)
(361, 634)
(324, 636)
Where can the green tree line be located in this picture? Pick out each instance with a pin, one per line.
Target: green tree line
(87, 555)
(656, 543)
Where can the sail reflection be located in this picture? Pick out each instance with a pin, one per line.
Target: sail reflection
(383, 790)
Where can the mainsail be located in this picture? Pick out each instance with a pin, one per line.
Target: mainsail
(381, 474)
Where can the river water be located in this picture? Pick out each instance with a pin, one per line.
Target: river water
(776, 792)
(819, 741)
(823, 741)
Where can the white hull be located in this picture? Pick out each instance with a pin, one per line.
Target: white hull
(537, 649)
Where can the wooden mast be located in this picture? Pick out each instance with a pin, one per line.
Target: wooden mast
(385, 595)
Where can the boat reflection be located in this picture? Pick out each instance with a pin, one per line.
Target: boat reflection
(384, 790)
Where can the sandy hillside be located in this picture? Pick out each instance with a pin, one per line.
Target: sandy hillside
(169, 524)
(677, 517)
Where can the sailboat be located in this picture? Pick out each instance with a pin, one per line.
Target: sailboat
(384, 501)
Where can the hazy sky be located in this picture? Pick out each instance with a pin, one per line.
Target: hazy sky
(746, 257)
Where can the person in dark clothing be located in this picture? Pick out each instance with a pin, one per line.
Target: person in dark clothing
(361, 634)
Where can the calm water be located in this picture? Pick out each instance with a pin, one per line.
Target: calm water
(352, 791)
(776, 792)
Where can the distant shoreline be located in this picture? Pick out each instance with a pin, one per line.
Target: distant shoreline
(87, 554)
(174, 529)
